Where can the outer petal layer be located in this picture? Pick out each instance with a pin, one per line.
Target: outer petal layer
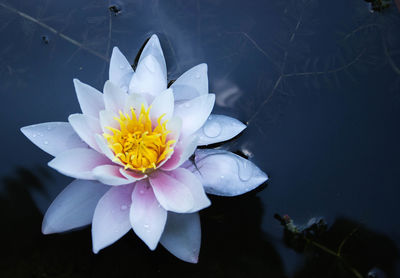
(172, 194)
(90, 99)
(194, 112)
(191, 84)
(53, 137)
(147, 216)
(182, 236)
(73, 207)
(111, 217)
(219, 128)
(78, 163)
(86, 127)
(226, 174)
(111, 175)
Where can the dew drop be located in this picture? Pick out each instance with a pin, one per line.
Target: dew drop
(122, 67)
(222, 177)
(212, 129)
(46, 142)
(198, 75)
(245, 170)
(187, 105)
(40, 134)
(124, 207)
(141, 191)
(34, 135)
(49, 128)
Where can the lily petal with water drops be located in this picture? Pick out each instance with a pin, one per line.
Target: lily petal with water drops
(129, 153)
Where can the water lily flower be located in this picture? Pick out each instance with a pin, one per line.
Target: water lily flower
(129, 151)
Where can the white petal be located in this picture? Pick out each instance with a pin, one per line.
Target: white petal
(86, 127)
(153, 48)
(102, 143)
(182, 236)
(219, 128)
(78, 163)
(171, 193)
(135, 101)
(149, 79)
(194, 112)
(120, 72)
(182, 151)
(163, 104)
(107, 120)
(90, 99)
(73, 207)
(226, 174)
(111, 217)
(132, 175)
(53, 137)
(191, 84)
(110, 174)
(196, 188)
(147, 216)
(114, 98)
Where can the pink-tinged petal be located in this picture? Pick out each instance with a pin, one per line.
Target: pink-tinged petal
(132, 175)
(73, 207)
(186, 177)
(90, 99)
(135, 101)
(226, 174)
(163, 104)
(182, 236)
(102, 143)
(194, 112)
(78, 163)
(114, 98)
(149, 79)
(191, 84)
(219, 128)
(120, 72)
(171, 193)
(111, 217)
(153, 48)
(147, 216)
(86, 127)
(53, 137)
(110, 175)
(107, 120)
(182, 151)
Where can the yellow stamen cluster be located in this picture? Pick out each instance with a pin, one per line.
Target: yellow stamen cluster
(137, 144)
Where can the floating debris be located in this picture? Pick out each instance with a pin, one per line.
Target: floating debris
(116, 10)
(45, 39)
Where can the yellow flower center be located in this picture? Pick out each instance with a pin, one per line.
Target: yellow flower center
(137, 144)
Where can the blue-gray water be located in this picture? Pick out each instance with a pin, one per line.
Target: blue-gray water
(317, 82)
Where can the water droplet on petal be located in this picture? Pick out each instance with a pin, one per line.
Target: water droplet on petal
(122, 67)
(124, 207)
(40, 134)
(46, 142)
(34, 135)
(141, 191)
(245, 170)
(187, 105)
(212, 129)
(49, 128)
(197, 75)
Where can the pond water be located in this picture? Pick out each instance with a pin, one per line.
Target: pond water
(316, 82)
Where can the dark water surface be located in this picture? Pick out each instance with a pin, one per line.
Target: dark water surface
(317, 82)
